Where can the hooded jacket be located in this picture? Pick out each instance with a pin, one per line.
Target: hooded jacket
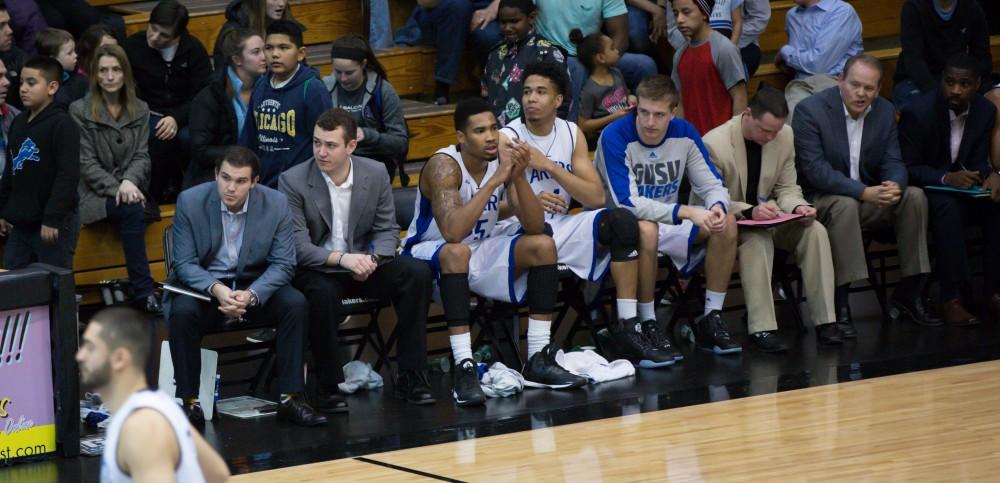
(110, 151)
(280, 130)
(43, 169)
(169, 88)
(213, 127)
(381, 119)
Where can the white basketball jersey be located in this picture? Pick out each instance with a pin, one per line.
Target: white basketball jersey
(424, 228)
(558, 146)
(187, 470)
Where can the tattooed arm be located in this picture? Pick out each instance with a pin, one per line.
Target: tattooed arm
(441, 185)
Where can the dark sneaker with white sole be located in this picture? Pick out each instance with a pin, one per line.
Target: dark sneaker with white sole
(543, 371)
(631, 344)
(711, 334)
(658, 338)
(466, 390)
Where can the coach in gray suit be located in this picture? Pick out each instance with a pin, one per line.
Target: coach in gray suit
(848, 159)
(346, 236)
(233, 241)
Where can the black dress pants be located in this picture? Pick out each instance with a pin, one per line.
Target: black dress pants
(948, 217)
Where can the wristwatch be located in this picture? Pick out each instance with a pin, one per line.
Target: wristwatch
(254, 301)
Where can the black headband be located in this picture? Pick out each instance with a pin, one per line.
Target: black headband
(347, 53)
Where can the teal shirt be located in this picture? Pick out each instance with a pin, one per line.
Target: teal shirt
(238, 106)
(557, 17)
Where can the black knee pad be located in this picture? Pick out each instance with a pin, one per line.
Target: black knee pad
(543, 289)
(619, 229)
(455, 297)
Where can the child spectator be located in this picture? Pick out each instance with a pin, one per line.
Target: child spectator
(604, 97)
(285, 104)
(114, 163)
(221, 109)
(708, 71)
(92, 38)
(170, 68)
(727, 19)
(358, 86)
(38, 197)
(503, 74)
(59, 44)
(255, 15)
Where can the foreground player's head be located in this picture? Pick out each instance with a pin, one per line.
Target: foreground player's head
(544, 86)
(334, 139)
(117, 341)
(657, 101)
(236, 173)
(477, 129)
(763, 119)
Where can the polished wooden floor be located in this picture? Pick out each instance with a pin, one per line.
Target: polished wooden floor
(937, 425)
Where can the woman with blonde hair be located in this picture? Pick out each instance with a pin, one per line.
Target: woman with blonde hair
(114, 163)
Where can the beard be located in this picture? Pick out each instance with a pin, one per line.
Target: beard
(96, 379)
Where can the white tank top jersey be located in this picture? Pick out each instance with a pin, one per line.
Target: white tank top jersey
(187, 471)
(424, 228)
(558, 146)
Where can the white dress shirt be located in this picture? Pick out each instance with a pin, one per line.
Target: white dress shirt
(340, 204)
(957, 131)
(855, 129)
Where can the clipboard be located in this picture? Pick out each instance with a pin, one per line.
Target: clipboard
(973, 192)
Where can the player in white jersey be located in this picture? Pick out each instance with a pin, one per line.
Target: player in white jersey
(149, 438)
(560, 170)
(643, 158)
(458, 204)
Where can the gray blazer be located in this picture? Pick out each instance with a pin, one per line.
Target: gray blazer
(267, 256)
(822, 154)
(371, 223)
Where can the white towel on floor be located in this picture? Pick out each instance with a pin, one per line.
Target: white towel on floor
(501, 381)
(359, 375)
(591, 365)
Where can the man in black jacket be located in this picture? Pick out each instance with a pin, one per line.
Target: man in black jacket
(170, 67)
(945, 136)
(931, 32)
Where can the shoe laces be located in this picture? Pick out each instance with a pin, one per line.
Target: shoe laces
(655, 334)
(713, 322)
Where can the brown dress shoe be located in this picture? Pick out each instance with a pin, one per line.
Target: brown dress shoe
(955, 314)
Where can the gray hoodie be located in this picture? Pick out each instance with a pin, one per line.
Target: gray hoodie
(381, 119)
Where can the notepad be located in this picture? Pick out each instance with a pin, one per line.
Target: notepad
(780, 220)
(973, 192)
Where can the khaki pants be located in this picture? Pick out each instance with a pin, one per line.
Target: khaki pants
(810, 245)
(797, 90)
(846, 217)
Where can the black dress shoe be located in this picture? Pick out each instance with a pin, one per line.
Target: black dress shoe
(913, 308)
(829, 334)
(297, 411)
(149, 304)
(331, 402)
(767, 341)
(844, 323)
(413, 387)
(194, 414)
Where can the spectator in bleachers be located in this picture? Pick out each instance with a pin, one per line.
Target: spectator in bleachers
(849, 163)
(708, 71)
(92, 38)
(255, 15)
(7, 115)
(647, 22)
(170, 67)
(604, 97)
(285, 104)
(359, 86)
(756, 15)
(75, 16)
(822, 35)
(114, 163)
(12, 56)
(945, 136)
(931, 32)
(38, 197)
(755, 153)
(27, 22)
(727, 19)
(503, 74)
(234, 239)
(556, 19)
(221, 109)
(344, 217)
(59, 44)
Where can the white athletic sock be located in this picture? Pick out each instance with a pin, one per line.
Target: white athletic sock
(539, 332)
(647, 311)
(461, 346)
(626, 308)
(714, 300)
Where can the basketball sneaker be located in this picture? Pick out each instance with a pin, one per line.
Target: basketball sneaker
(631, 344)
(711, 334)
(466, 390)
(543, 371)
(658, 338)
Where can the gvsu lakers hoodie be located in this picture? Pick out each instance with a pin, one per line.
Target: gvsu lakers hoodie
(281, 129)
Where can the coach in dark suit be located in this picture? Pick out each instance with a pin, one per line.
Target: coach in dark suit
(945, 138)
(345, 239)
(848, 160)
(233, 241)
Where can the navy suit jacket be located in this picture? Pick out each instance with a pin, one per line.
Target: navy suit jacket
(925, 138)
(267, 256)
(822, 153)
